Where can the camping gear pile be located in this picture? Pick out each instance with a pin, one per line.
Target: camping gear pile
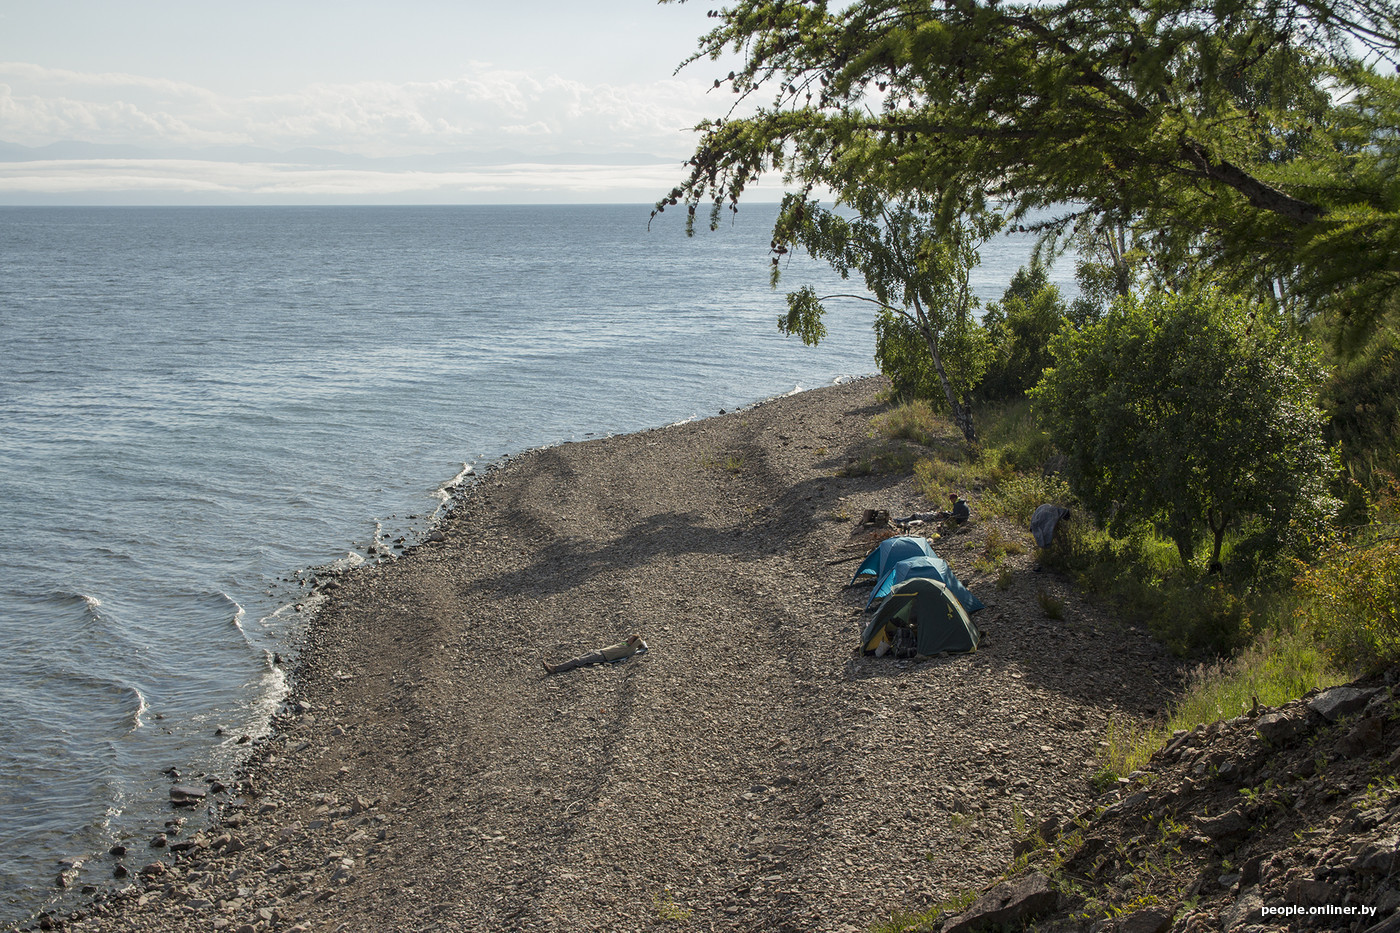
(920, 607)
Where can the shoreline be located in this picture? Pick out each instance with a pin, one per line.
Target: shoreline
(747, 772)
(300, 594)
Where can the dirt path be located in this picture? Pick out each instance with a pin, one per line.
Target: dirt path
(747, 773)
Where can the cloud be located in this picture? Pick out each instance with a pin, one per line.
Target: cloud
(145, 180)
(482, 108)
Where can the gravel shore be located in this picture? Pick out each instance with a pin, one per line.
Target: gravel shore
(748, 772)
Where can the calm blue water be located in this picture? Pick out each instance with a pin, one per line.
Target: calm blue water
(196, 404)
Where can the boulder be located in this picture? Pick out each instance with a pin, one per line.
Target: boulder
(1280, 728)
(1333, 704)
(1009, 904)
(1364, 738)
(1225, 831)
(186, 795)
(1377, 858)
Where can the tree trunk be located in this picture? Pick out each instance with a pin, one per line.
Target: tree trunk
(962, 414)
(1218, 529)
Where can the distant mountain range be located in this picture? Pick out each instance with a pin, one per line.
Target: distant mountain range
(324, 158)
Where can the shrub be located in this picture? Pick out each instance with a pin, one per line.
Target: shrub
(1191, 412)
(1052, 607)
(1018, 496)
(915, 420)
(1351, 594)
(1273, 670)
(1351, 598)
(1019, 328)
(1363, 402)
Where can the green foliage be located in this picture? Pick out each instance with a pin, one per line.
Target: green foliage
(667, 910)
(1255, 140)
(1019, 495)
(1190, 412)
(1127, 745)
(917, 271)
(1350, 596)
(1363, 402)
(916, 421)
(1012, 434)
(1018, 330)
(937, 477)
(888, 460)
(1052, 607)
(1272, 671)
(903, 356)
(1142, 577)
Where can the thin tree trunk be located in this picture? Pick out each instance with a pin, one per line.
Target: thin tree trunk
(1219, 531)
(962, 415)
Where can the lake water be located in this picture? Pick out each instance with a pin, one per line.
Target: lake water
(199, 404)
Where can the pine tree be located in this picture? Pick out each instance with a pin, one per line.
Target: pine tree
(1254, 137)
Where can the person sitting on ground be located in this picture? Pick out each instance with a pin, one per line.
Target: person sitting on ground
(633, 645)
(960, 512)
(957, 514)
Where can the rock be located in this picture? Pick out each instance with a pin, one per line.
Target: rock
(1009, 904)
(186, 795)
(1378, 858)
(1251, 872)
(1151, 920)
(1247, 910)
(1308, 892)
(159, 840)
(1333, 704)
(1280, 728)
(1127, 803)
(1389, 925)
(1226, 830)
(1363, 738)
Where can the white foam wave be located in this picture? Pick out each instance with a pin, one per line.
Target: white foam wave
(238, 612)
(349, 562)
(142, 706)
(445, 493)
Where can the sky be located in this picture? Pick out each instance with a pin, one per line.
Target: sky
(310, 102)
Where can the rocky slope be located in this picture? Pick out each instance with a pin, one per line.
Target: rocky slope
(1282, 819)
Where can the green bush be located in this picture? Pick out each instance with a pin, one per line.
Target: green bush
(1018, 496)
(1194, 413)
(1351, 598)
(1363, 403)
(902, 354)
(1140, 574)
(1011, 431)
(1019, 328)
(915, 420)
(1350, 595)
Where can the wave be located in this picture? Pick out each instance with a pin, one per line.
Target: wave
(448, 490)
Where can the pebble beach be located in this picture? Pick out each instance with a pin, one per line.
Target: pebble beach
(748, 772)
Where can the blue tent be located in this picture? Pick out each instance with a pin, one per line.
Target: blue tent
(890, 552)
(930, 567)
